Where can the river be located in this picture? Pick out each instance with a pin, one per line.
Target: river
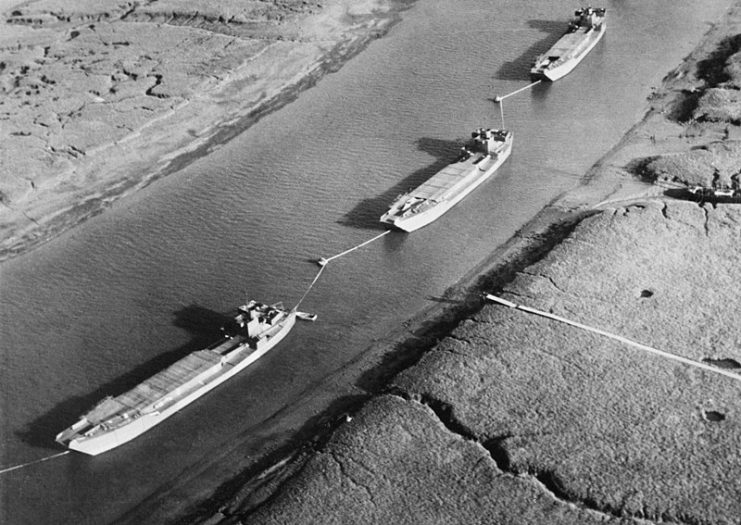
(107, 304)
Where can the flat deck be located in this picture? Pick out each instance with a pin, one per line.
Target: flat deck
(157, 386)
(572, 43)
(443, 181)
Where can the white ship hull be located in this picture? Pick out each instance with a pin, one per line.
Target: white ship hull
(103, 441)
(418, 220)
(568, 65)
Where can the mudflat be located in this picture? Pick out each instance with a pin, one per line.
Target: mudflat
(510, 417)
(101, 98)
(517, 418)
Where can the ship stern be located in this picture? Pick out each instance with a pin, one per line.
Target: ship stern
(387, 218)
(537, 73)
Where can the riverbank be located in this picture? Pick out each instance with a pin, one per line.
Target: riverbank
(513, 418)
(99, 102)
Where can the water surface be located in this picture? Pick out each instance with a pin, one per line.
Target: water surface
(119, 298)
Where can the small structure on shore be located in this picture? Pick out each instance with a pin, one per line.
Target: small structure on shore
(710, 193)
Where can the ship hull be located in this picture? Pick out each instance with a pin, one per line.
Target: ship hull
(105, 441)
(419, 220)
(560, 71)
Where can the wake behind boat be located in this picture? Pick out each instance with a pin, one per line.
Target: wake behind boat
(255, 329)
(478, 160)
(585, 30)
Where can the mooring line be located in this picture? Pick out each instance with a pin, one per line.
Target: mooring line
(316, 278)
(322, 261)
(23, 465)
(499, 98)
(625, 340)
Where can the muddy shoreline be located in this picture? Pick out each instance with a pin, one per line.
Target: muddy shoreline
(267, 492)
(371, 373)
(375, 369)
(65, 196)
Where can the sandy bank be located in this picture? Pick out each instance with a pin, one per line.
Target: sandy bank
(100, 99)
(513, 418)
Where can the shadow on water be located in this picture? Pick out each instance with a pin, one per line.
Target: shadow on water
(519, 69)
(241, 495)
(367, 213)
(203, 324)
(539, 94)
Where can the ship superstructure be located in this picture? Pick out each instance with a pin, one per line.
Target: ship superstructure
(585, 30)
(255, 329)
(478, 160)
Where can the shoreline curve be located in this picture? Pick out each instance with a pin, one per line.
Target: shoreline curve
(69, 183)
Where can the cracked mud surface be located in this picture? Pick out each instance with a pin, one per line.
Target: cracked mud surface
(79, 75)
(515, 418)
(397, 462)
(97, 97)
(509, 419)
(621, 431)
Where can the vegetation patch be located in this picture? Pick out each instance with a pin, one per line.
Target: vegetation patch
(716, 165)
(721, 72)
(719, 105)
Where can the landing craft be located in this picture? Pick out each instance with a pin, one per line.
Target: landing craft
(478, 160)
(585, 30)
(255, 329)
